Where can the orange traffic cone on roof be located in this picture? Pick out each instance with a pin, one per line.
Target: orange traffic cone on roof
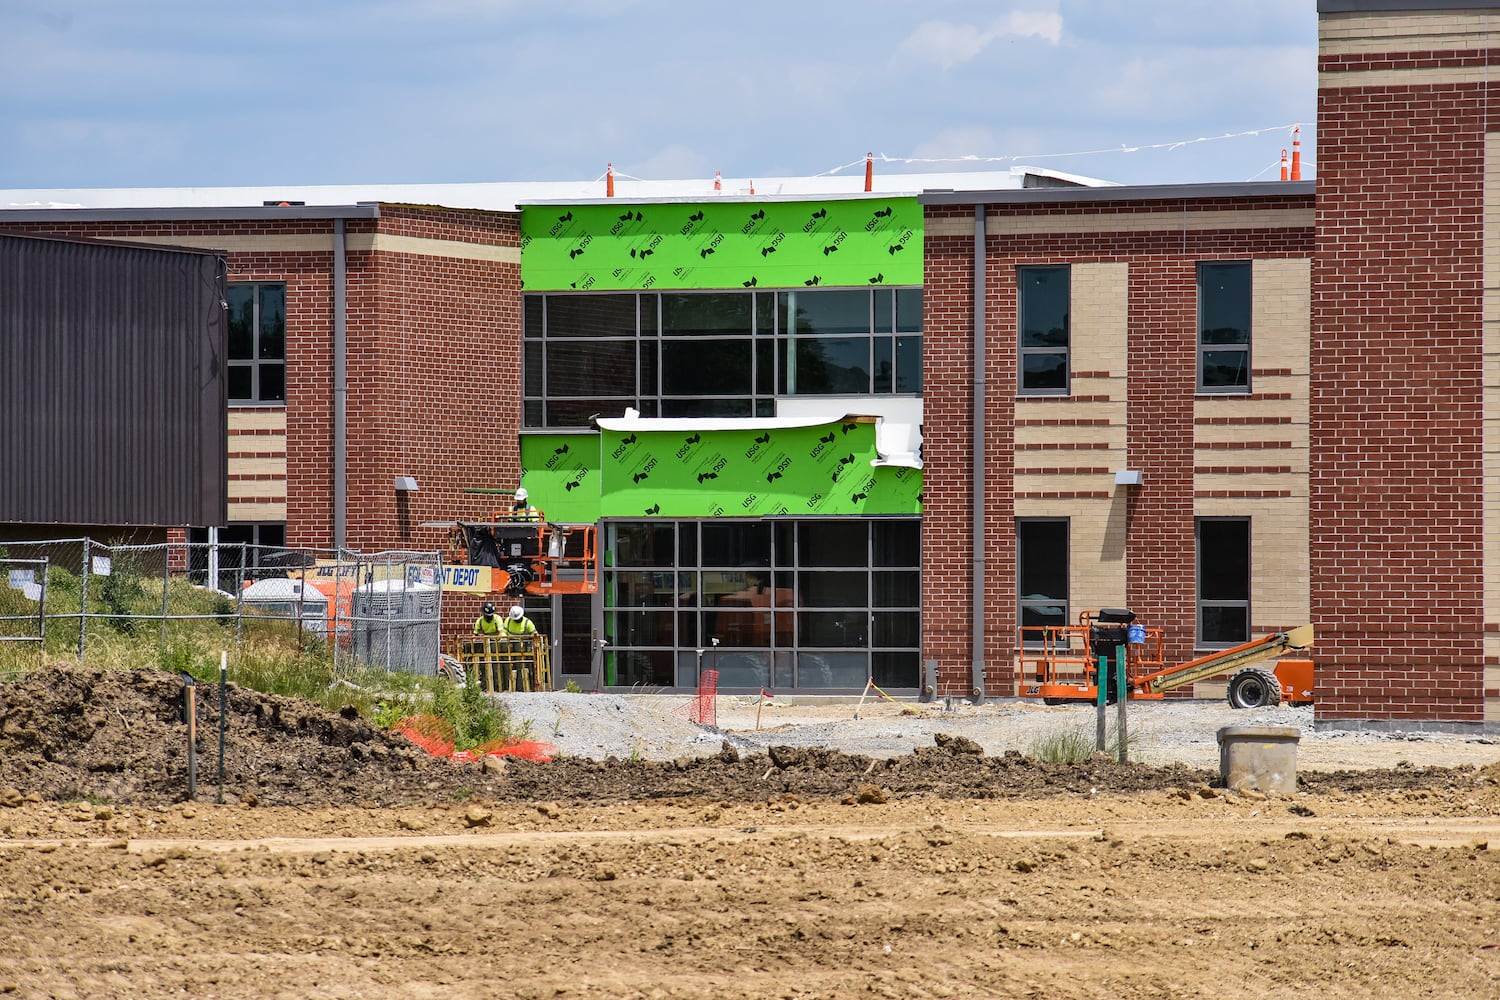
(1297, 153)
(1283, 164)
(609, 181)
(869, 171)
(718, 182)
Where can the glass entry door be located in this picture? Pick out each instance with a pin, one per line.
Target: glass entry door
(576, 652)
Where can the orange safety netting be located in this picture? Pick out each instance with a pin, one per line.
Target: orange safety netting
(430, 732)
(525, 749)
(702, 709)
(435, 735)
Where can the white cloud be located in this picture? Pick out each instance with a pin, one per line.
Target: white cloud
(949, 45)
(1046, 25)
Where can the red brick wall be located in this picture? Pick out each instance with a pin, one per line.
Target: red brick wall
(1162, 374)
(434, 379)
(947, 444)
(1397, 463)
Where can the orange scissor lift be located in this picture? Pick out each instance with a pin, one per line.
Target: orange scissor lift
(1060, 663)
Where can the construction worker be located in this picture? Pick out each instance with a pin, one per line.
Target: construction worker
(520, 635)
(487, 624)
(521, 510)
(518, 626)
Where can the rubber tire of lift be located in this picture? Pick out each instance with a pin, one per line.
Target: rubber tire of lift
(1254, 687)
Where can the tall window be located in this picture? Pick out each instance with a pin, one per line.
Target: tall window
(1224, 326)
(257, 343)
(1223, 581)
(1043, 300)
(792, 604)
(1042, 572)
(580, 355)
(715, 354)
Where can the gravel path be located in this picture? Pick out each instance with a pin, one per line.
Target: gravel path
(658, 727)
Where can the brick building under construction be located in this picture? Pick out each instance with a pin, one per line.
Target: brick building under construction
(1232, 408)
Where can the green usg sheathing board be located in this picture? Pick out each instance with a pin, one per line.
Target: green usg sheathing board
(801, 471)
(822, 470)
(721, 244)
(561, 476)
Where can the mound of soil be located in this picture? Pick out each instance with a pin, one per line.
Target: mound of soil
(121, 736)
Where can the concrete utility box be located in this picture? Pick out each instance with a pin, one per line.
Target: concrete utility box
(397, 626)
(1263, 758)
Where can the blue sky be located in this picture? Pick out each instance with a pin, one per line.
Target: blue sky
(167, 93)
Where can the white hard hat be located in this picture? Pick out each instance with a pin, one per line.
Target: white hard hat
(521, 493)
(516, 614)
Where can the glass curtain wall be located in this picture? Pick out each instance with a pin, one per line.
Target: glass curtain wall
(714, 354)
(812, 605)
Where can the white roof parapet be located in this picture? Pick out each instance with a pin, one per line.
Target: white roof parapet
(509, 196)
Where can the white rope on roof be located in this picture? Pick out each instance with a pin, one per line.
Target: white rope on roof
(973, 158)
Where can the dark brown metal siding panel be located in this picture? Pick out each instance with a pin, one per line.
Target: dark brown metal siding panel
(112, 385)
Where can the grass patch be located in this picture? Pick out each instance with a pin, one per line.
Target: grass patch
(1076, 744)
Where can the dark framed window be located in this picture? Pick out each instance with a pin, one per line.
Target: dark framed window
(711, 354)
(257, 342)
(1043, 305)
(1042, 572)
(1224, 326)
(824, 604)
(1223, 581)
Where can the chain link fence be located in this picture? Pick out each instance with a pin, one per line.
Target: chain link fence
(367, 610)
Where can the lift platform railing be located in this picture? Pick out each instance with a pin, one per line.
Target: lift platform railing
(499, 664)
(1061, 654)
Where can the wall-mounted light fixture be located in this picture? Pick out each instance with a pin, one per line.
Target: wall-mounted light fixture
(1128, 477)
(406, 484)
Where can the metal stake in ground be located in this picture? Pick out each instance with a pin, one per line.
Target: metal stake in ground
(1103, 679)
(190, 716)
(1124, 696)
(223, 714)
(869, 683)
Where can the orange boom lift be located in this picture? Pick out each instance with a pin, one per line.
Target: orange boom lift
(533, 557)
(1060, 663)
(538, 557)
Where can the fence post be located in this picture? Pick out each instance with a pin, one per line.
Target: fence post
(239, 602)
(83, 601)
(388, 609)
(439, 581)
(302, 596)
(166, 581)
(41, 607)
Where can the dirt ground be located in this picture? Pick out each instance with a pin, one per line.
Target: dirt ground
(345, 862)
